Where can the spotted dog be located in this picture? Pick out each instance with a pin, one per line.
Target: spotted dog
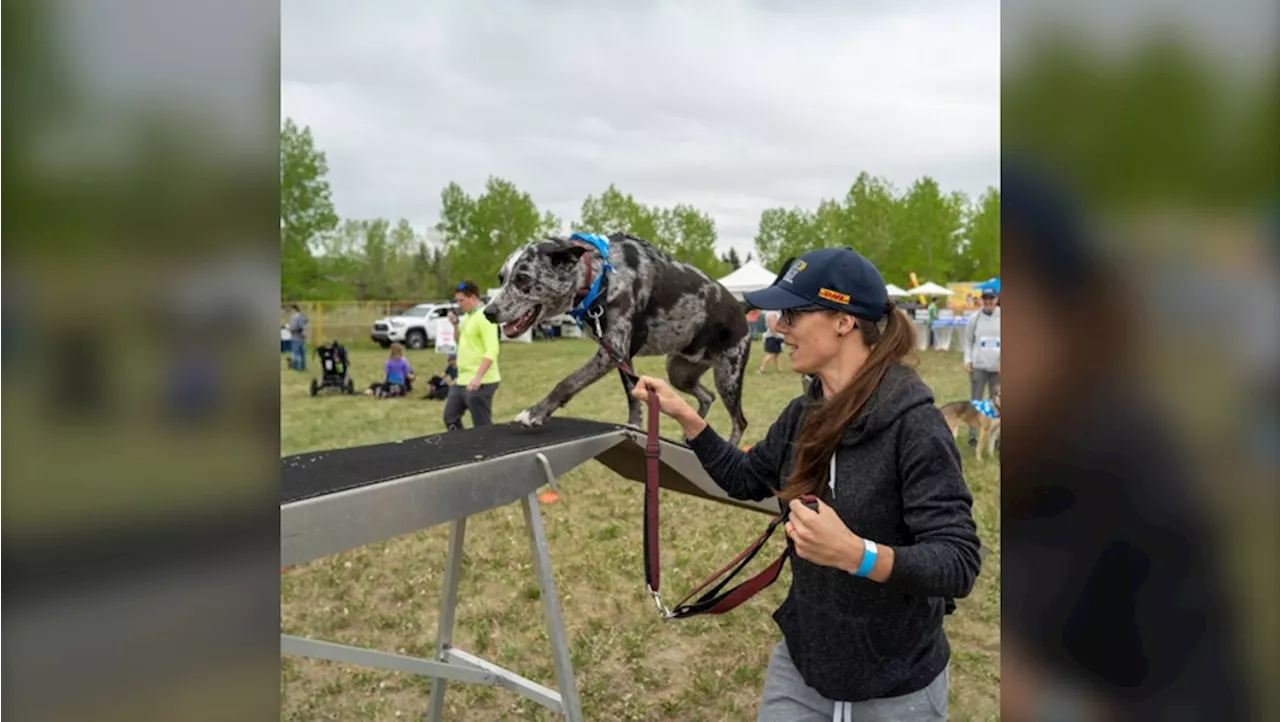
(633, 300)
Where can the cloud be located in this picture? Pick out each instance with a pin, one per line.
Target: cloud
(733, 107)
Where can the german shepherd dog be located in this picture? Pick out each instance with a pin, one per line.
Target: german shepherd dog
(646, 304)
(967, 413)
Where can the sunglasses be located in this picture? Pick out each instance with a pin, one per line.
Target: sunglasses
(789, 316)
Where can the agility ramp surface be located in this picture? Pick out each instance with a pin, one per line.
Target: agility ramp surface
(338, 500)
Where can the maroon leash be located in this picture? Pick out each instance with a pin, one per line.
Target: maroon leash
(713, 601)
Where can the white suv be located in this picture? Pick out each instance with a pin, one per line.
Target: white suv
(415, 328)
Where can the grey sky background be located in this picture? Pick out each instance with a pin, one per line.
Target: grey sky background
(733, 107)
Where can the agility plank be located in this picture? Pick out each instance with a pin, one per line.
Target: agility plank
(339, 500)
(681, 470)
(335, 501)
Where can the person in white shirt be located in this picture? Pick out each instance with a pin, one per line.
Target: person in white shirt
(982, 352)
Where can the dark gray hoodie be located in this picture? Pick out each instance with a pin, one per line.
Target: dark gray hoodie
(898, 482)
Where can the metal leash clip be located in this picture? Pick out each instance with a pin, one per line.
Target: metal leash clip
(662, 608)
(594, 314)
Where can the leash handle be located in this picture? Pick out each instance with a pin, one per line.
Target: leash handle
(713, 601)
(652, 553)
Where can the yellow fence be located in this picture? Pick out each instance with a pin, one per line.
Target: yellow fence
(345, 321)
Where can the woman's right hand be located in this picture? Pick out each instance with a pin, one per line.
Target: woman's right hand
(670, 403)
(668, 400)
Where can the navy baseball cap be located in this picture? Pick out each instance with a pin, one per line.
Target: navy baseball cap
(836, 278)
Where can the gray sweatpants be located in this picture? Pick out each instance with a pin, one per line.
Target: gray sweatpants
(478, 402)
(978, 379)
(787, 698)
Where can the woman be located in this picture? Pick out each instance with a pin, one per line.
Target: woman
(893, 540)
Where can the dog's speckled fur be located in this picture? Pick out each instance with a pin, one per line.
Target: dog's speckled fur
(653, 305)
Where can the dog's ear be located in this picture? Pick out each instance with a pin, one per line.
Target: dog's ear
(564, 253)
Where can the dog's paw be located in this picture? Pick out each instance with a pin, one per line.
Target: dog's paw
(528, 419)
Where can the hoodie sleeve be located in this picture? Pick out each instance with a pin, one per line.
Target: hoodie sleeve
(942, 560)
(754, 474)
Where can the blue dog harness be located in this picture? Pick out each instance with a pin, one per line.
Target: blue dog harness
(986, 408)
(601, 244)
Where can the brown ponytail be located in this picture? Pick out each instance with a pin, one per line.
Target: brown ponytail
(824, 424)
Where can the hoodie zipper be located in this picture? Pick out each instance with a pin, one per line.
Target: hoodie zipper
(831, 477)
(843, 711)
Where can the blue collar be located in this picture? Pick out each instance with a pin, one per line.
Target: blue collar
(601, 244)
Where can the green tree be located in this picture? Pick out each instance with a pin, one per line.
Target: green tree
(683, 232)
(440, 271)
(784, 233)
(306, 209)
(870, 208)
(616, 212)
(731, 258)
(690, 236)
(405, 273)
(981, 257)
(339, 256)
(1141, 128)
(375, 258)
(480, 233)
(927, 232)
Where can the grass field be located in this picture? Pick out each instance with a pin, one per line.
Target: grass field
(629, 664)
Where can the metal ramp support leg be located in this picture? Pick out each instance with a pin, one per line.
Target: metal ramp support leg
(448, 604)
(566, 701)
(551, 610)
(454, 664)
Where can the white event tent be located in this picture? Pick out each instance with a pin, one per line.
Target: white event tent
(930, 289)
(751, 276)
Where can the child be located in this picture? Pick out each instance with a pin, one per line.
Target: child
(440, 384)
(399, 375)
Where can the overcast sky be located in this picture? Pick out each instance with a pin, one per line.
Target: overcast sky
(733, 107)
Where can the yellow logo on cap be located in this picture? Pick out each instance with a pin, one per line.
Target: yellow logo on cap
(833, 296)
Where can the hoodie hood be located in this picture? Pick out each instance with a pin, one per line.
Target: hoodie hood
(900, 391)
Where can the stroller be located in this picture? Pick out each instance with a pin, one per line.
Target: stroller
(333, 361)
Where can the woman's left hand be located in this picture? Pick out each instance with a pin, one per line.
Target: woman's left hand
(821, 536)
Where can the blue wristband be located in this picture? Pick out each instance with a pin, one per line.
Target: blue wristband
(869, 554)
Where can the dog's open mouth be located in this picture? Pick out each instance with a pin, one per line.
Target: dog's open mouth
(522, 324)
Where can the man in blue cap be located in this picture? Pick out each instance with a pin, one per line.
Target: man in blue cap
(982, 352)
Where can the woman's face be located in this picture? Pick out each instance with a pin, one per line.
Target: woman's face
(811, 339)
